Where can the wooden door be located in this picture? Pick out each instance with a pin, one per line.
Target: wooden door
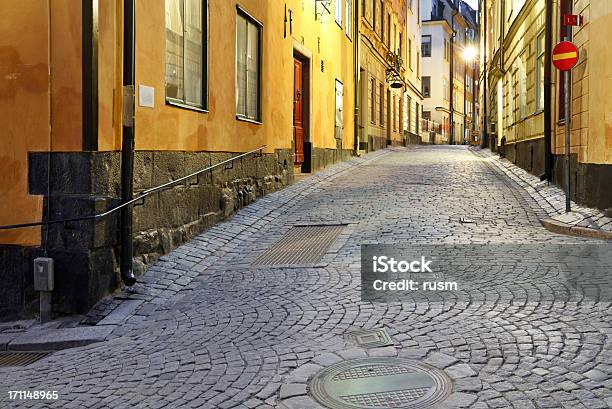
(298, 111)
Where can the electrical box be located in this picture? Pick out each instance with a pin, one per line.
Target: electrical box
(43, 274)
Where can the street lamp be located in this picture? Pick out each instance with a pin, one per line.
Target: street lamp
(470, 54)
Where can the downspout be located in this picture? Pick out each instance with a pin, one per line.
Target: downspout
(548, 93)
(356, 79)
(485, 114)
(127, 149)
(451, 140)
(464, 101)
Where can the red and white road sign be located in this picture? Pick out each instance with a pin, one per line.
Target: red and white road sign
(565, 56)
(572, 20)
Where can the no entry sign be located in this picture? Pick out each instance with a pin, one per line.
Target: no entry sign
(565, 56)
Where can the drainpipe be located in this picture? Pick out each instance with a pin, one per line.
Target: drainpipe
(356, 75)
(127, 149)
(548, 93)
(485, 114)
(451, 140)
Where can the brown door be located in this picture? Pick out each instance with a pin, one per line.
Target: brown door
(298, 111)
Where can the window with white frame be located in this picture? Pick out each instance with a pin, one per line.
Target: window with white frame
(540, 71)
(186, 76)
(348, 26)
(248, 67)
(338, 10)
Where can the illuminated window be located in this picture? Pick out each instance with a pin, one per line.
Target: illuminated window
(186, 76)
(248, 67)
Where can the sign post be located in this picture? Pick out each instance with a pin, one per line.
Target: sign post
(565, 56)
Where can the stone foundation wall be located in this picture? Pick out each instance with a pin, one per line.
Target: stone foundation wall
(169, 219)
(84, 183)
(528, 155)
(590, 183)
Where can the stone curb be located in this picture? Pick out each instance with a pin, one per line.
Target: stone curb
(571, 230)
(58, 339)
(548, 222)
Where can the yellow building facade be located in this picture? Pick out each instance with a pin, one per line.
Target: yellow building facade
(515, 44)
(212, 79)
(389, 82)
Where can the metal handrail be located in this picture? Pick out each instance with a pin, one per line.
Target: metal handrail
(139, 197)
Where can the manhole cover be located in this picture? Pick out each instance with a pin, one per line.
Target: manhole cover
(370, 338)
(20, 358)
(379, 383)
(301, 245)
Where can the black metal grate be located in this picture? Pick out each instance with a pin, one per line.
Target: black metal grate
(301, 245)
(20, 358)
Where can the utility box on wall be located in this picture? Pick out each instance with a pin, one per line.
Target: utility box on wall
(43, 274)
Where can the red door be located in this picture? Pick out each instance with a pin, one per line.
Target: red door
(298, 112)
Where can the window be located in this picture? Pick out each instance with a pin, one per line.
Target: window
(418, 60)
(410, 53)
(339, 123)
(338, 10)
(349, 18)
(401, 45)
(445, 89)
(400, 122)
(185, 76)
(381, 105)
(514, 97)
(389, 30)
(416, 122)
(540, 72)
(248, 67)
(445, 49)
(426, 85)
(374, 14)
(394, 113)
(372, 100)
(426, 46)
(409, 114)
(382, 20)
(395, 48)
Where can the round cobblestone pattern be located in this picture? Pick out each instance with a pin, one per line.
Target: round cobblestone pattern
(233, 334)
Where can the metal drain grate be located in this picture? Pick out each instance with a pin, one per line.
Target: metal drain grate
(372, 383)
(20, 358)
(301, 245)
(370, 338)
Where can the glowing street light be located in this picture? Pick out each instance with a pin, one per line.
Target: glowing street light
(470, 54)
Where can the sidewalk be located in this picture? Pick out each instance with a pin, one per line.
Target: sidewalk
(581, 221)
(171, 274)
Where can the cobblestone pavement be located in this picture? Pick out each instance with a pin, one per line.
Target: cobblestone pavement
(230, 332)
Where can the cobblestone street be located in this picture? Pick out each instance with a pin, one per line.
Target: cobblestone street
(218, 330)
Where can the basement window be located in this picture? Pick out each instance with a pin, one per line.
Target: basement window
(186, 53)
